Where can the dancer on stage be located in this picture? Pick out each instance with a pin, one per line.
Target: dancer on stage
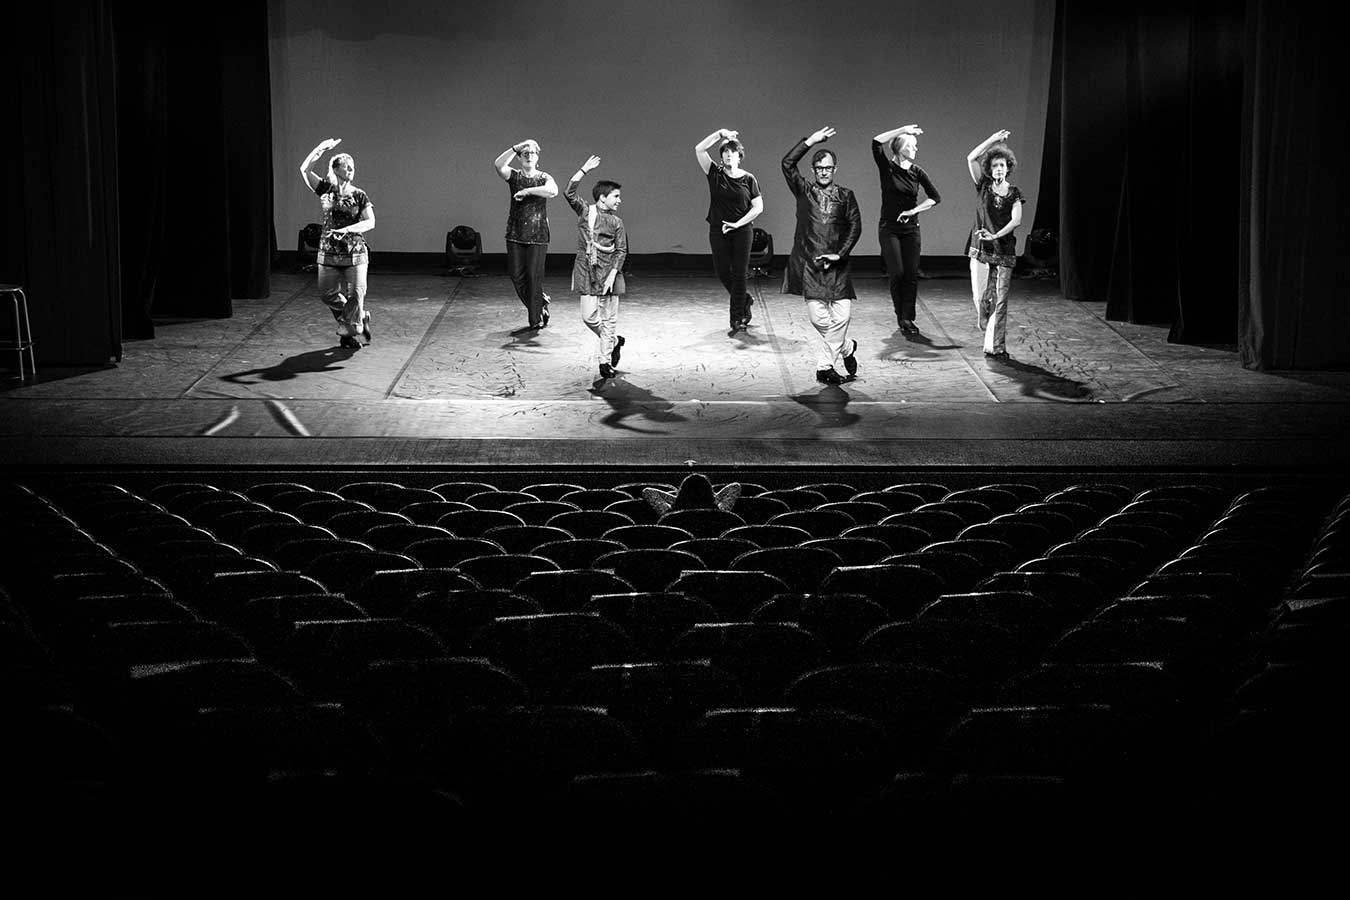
(343, 254)
(527, 227)
(597, 275)
(901, 180)
(992, 246)
(828, 227)
(734, 201)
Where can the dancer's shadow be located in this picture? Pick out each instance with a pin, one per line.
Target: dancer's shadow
(521, 337)
(313, 362)
(628, 400)
(912, 346)
(1033, 381)
(830, 405)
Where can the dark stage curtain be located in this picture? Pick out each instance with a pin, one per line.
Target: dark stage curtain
(59, 162)
(1148, 122)
(1293, 310)
(196, 158)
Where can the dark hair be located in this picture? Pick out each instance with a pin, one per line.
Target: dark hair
(821, 154)
(998, 151)
(603, 187)
(731, 144)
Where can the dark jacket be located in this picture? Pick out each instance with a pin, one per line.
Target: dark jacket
(828, 221)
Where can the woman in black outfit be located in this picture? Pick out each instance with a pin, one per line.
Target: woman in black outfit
(734, 202)
(901, 179)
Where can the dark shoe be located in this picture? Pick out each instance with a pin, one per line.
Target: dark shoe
(365, 327)
(606, 370)
(614, 354)
(349, 342)
(851, 362)
(998, 354)
(829, 376)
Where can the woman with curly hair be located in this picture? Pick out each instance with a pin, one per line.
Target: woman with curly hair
(992, 246)
(343, 255)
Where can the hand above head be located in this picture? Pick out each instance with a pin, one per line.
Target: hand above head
(330, 143)
(823, 134)
(590, 164)
(911, 129)
(1002, 135)
(728, 134)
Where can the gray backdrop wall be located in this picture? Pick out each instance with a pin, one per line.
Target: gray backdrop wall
(425, 97)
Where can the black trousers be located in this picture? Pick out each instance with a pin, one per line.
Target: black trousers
(525, 265)
(731, 259)
(901, 253)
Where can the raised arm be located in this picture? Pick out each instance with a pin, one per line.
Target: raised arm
(973, 157)
(887, 136)
(503, 163)
(796, 183)
(312, 180)
(577, 204)
(702, 147)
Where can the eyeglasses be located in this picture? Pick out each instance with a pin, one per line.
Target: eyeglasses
(823, 168)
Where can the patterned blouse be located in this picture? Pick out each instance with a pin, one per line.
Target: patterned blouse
(527, 222)
(993, 213)
(339, 211)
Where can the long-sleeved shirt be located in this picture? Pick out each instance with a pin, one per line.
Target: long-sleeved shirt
(601, 248)
(828, 221)
(900, 189)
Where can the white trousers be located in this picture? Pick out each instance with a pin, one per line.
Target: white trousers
(601, 316)
(991, 303)
(830, 318)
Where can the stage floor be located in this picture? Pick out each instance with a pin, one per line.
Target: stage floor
(446, 382)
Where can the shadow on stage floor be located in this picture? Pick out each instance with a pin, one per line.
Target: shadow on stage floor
(447, 383)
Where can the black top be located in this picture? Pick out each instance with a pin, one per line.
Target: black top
(729, 198)
(828, 221)
(900, 189)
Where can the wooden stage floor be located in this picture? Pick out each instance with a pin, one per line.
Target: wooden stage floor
(446, 383)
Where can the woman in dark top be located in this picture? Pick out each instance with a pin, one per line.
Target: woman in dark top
(527, 227)
(734, 202)
(992, 246)
(901, 180)
(343, 254)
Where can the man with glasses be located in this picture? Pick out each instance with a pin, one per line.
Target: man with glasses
(828, 227)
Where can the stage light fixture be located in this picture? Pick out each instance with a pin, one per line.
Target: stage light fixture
(463, 250)
(307, 246)
(761, 252)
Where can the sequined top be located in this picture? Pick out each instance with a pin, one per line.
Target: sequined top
(993, 213)
(527, 222)
(338, 211)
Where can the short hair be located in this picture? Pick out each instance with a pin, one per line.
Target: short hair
(603, 187)
(340, 156)
(998, 151)
(732, 144)
(899, 139)
(821, 154)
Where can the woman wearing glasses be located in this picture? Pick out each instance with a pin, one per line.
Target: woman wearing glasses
(527, 227)
(828, 227)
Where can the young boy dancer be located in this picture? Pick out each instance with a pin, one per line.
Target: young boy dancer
(597, 275)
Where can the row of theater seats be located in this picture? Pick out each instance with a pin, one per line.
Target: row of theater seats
(999, 654)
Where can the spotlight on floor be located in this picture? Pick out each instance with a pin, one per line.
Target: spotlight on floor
(307, 246)
(463, 251)
(761, 252)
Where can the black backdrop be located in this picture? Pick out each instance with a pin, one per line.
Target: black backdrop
(1187, 138)
(140, 174)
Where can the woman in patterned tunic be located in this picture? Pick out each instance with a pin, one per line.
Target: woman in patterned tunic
(992, 246)
(343, 255)
(527, 227)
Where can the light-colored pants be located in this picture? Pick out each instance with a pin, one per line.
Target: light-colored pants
(991, 303)
(830, 317)
(601, 316)
(343, 290)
